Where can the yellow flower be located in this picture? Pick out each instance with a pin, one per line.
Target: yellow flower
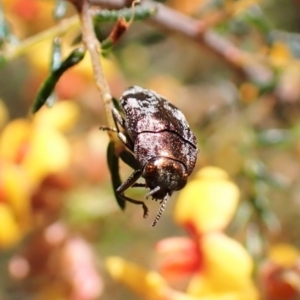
(30, 150)
(284, 255)
(227, 270)
(218, 267)
(16, 193)
(9, 229)
(208, 202)
(220, 281)
(38, 146)
(280, 55)
(147, 284)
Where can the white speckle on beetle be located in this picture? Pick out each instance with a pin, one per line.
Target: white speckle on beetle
(132, 102)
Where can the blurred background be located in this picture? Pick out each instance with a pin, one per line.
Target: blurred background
(237, 80)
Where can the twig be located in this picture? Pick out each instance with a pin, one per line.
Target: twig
(94, 46)
(228, 11)
(170, 20)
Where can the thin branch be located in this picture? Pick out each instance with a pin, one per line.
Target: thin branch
(62, 28)
(94, 46)
(170, 20)
(227, 12)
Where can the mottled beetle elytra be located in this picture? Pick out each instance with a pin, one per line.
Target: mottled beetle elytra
(164, 147)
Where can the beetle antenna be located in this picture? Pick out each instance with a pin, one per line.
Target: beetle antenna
(156, 189)
(161, 210)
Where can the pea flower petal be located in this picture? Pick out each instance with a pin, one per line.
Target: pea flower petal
(227, 270)
(284, 255)
(9, 229)
(180, 256)
(148, 284)
(208, 202)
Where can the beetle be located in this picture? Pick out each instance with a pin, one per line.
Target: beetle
(164, 148)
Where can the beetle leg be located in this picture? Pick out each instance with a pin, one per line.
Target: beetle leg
(137, 202)
(137, 184)
(125, 139)
(118, 118)
(127, 184)
(129, 181)
(156, 189)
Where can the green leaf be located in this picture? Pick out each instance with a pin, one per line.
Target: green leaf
(48, 86)
(56, 59)
(113, 165)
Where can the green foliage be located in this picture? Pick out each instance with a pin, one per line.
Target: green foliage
(139, 13)
(113, 165)
(48, 86)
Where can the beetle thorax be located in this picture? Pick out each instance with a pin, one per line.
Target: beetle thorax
(164, 175)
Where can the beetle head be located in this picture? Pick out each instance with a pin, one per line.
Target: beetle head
(163, 176)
